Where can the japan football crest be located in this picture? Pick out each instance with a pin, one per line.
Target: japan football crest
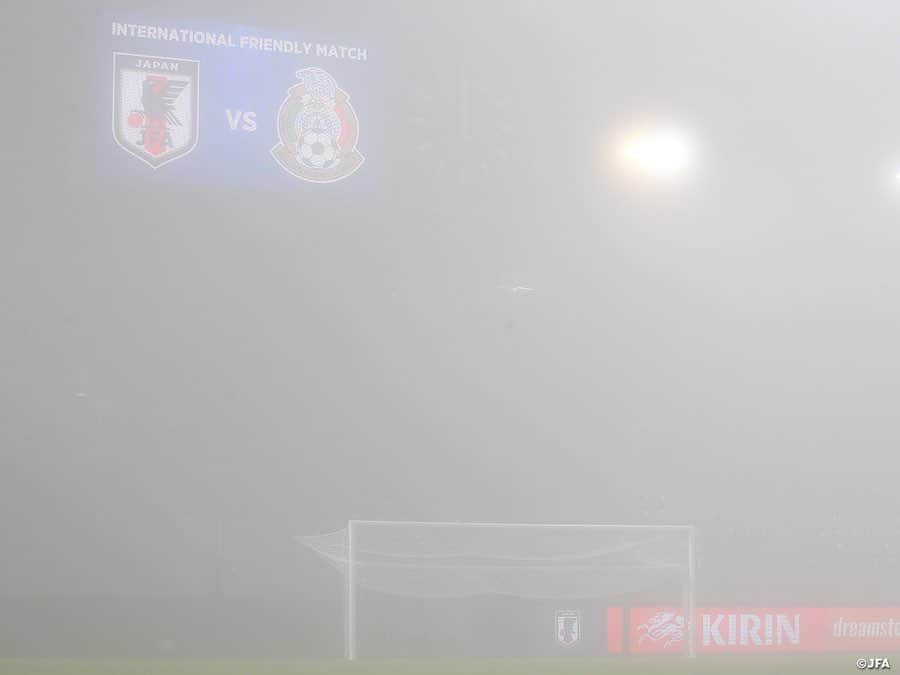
(317, 130)
(568, 627)
(155, 106)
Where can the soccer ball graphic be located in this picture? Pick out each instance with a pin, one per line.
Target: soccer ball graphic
(318, 149)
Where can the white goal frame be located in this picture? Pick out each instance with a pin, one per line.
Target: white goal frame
(689, 586)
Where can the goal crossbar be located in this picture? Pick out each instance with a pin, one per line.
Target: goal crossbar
(587, 526)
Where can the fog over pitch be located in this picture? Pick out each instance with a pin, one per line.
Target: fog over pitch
(489, 320)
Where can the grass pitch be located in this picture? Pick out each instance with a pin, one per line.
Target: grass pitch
(842, 664)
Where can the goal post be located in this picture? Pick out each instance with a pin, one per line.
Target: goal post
(350, 610)
(453, 560)
(690, 605)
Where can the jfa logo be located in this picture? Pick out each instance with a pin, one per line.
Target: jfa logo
(873, 664)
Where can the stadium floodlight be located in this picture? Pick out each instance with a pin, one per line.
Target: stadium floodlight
(656, 152)
(541, 562)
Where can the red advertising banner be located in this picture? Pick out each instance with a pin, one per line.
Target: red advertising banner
(614, 642)
(657, 630)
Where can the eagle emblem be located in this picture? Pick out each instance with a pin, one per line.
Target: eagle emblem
(318, 130)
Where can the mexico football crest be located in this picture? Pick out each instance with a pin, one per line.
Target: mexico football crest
(317, 130)
(155, 106)
(568, 627)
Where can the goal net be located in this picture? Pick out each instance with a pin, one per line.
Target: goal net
(426, 564)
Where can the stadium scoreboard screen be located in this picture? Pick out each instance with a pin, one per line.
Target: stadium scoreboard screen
(198, 102)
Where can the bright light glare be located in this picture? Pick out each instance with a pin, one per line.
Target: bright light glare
(659, 153)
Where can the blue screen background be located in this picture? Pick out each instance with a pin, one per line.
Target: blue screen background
(238, 79)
